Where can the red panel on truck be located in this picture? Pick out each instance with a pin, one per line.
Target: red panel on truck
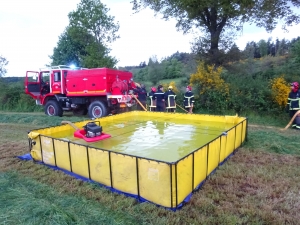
(92, 82)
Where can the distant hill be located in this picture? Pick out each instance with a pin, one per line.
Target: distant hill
(12, 79)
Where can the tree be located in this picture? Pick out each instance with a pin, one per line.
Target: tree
(140, 74)
(271, 47)
(234, 54)
(252, 50)
(263, 48)
(91, 15)
(154, 71)
(69, 50)
(3, 63)
(84, 42)
(214, 17)
(283, 47)
(173, 69)
(295, 50)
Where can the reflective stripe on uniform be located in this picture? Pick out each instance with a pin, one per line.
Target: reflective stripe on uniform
(188, 101)
(291, 101)
(173, 106)
(152, 102)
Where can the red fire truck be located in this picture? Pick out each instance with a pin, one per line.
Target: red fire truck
(96, 92)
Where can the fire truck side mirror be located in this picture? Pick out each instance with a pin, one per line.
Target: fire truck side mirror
(65, 74)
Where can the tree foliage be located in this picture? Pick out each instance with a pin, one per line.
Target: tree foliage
(3, 63)
(178, 65)
(214, 17)
(13, 97)
(295, 49)
(155, 72)
(84, 42)
(69, 50)
(92, 16)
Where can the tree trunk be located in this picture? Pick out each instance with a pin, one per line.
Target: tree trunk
(214, 52)
(215, 26)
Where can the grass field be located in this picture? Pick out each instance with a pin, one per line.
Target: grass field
(259, 184)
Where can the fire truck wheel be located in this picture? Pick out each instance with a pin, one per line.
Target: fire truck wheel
(52, 108)
(97, 109)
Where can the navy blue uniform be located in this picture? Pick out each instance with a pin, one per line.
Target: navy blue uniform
(293, 105)
(170, 100)
(142, 97)
(189, 101)
(152, 105)
(160, 98)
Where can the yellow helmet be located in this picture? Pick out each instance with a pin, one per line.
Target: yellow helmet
(170, 87)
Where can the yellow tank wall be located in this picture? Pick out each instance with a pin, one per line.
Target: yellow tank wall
(213, 155)
(47, 150)
(155, 182)
(163, 183)
(62, 154)
(223, 148)
(79, 160)
(184, 178)
(200, 165)
(230, 142)
(99, 166)
(124, 173)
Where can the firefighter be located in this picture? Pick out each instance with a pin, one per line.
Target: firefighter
(152, 105)
(131, 86)
(142, 96)
(189, 99)
(170, 100)
(160, 99)
(293, 104)
(45, 86)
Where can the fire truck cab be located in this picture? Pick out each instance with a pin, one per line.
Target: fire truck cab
(96, 92)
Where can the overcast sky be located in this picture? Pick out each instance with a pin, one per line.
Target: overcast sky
(30, 30)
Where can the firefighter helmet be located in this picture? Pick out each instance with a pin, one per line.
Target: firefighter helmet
(153, 89)
(189, 87)
(170, 87)
(295, 86)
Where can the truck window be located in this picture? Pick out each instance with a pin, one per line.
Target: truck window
(32, 77)
(57, 76)
(45, 77)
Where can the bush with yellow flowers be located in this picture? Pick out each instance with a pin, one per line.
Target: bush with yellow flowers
(209, 78)
(173, 84)
(211, 89)
(280, 91)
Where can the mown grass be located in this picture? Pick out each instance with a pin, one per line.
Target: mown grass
(37, 118)
(273, 140)
(257, 185)
(25, 201)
